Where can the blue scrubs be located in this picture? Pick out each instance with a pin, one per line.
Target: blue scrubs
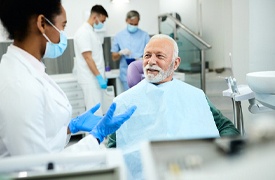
(135, 42)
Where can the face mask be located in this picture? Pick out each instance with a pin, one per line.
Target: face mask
(55, 50)
(99, 25)
(131, 28)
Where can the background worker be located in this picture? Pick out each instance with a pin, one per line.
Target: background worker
(35, 114)
(90, 66)
(129, 43)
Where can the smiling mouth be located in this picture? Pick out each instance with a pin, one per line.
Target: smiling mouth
(152, 71)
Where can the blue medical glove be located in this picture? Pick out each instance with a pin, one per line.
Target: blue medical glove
(109, 123)
(102, 83)
(86, 121)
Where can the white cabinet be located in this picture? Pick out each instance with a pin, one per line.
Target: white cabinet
(114, 75)
(68, 83)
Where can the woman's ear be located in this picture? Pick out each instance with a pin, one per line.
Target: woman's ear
(41, 23)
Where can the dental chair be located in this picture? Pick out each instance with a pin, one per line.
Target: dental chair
(135, 73)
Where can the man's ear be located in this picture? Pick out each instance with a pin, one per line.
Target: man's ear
(93, 16)
(177, 63)
(41, 23)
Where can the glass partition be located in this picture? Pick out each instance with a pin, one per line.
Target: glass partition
(191, 49)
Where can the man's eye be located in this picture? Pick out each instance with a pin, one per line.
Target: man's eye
(160, 56)
(146, 56)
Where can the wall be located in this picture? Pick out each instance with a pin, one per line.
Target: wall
(216, 30)
(187, 9)
(262, 36)
(77, 12)
(210, 18)
(240, 42)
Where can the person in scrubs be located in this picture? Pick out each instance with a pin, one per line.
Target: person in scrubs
(35, 114)
(90, 66)
(129, 43)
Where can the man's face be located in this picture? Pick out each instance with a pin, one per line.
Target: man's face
(158, 61)
(60, 22)
(101, 18)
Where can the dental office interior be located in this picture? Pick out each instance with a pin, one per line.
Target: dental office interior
(227, 49)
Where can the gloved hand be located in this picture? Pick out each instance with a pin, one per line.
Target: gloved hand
(85, 122)
(102, 83)
(109, 123)
(125, 52)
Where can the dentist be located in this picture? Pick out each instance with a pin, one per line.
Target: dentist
(129, 42)
(35, 114)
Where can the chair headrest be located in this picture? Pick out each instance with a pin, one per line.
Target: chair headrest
(135, 73)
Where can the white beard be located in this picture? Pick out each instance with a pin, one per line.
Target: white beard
(160, 76)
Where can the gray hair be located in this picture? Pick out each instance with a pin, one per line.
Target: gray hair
(164, 36)
(132, 14)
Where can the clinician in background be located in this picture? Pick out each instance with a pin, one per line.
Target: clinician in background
(90, 66)
(35, 114)
(129, 43)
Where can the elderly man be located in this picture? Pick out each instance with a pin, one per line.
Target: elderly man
(167, 108)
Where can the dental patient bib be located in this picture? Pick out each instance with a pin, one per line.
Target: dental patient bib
(171, 110)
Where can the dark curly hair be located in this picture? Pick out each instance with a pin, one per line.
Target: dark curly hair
(15, 15)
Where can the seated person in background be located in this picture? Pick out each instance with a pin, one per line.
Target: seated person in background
(167, 108)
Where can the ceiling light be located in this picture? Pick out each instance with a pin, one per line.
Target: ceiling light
(120, 1)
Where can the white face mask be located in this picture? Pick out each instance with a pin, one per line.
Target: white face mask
(99, 25)
(132, 28)
(55, 50)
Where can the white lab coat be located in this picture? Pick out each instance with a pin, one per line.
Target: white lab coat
(86, 40)
(34, 111)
